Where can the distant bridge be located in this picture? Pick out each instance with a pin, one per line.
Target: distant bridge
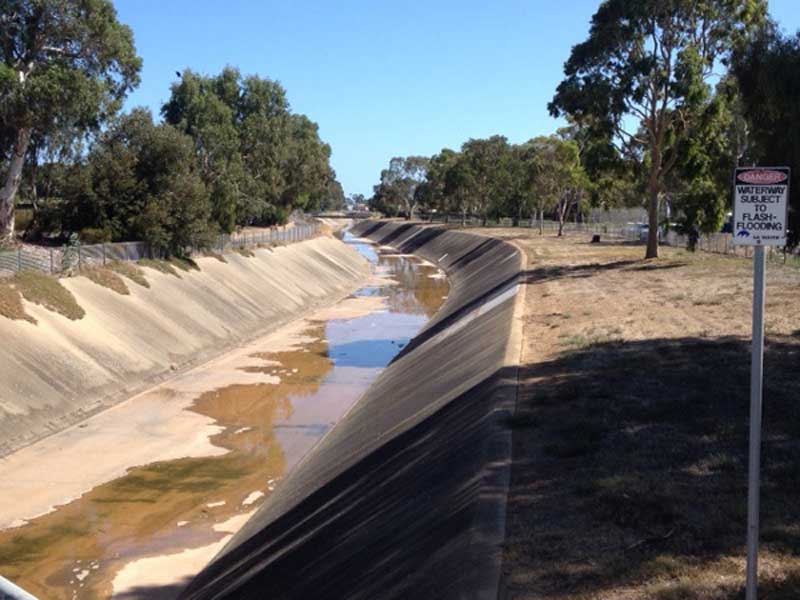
(363, 214)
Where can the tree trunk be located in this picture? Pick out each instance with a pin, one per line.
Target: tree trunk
(652, 205)
(652, 214)
(541, 220)
(9, 190)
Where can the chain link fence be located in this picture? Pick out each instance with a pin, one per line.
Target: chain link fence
(630, 232)
(72, 256)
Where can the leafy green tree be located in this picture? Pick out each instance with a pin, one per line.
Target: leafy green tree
(196, 109)
(435, 192)
(397, 192)
(141, 181)
(768, 75)
(649, 61)
(700, 184)
(306, 168)
(64, 63)
(486, 165)
(333, 199)
(258, 159)
(560, 178)
(459, 188)
(354, 200)
(524, 168)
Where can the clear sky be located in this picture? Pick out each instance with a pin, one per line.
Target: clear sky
(380, 78)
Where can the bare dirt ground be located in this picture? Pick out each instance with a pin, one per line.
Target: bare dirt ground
(630, 438)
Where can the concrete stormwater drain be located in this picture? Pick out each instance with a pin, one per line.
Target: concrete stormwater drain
(143, 525)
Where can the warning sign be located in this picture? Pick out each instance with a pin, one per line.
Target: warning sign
(761, 198)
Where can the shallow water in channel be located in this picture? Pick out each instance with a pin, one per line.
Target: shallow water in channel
(140, 535)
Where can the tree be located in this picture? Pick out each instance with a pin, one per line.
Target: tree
(141, 181)
(258, 159)
(64, 62)
(196, 108)
(650, 61)
(768, 76)
(560, 179)
(397, 190)
(356, 200)
(486, 162)
(333, 198)
(700, 184)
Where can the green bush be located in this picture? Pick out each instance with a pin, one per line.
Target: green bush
(95, 235)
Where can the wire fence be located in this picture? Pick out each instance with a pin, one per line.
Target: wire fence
(54, 260)
(632, 233)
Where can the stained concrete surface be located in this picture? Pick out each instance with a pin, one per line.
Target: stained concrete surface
(405, 498)
(58, 372)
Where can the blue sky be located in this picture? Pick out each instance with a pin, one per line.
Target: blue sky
(380, 78)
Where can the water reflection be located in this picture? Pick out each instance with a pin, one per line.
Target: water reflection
(167, 507)
(420, 287)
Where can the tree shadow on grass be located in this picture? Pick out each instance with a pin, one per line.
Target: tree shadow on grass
(630, 465)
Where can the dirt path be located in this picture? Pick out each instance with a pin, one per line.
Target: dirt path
(631, 432)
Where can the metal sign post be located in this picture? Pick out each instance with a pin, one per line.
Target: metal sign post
(756, 384)
(761, 197)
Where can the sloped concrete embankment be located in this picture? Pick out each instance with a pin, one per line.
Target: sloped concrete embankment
(405, 497)
(57, 372)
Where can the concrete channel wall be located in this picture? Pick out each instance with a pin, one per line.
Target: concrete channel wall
(405, 497)
(58, 372)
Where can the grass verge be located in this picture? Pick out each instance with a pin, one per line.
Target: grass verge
(11, 306)
(106, 278)
(129, 270)
(47, 291)
(630, 439)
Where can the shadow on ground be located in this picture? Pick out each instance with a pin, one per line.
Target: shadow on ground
(168, 592)
(631, 467)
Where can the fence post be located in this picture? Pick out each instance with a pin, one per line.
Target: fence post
(51, 262)
(19, 259)
(79, 258)
(104, 254)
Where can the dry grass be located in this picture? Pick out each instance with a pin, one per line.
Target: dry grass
(216, 255)
(11, 306)
(630, 439)
(162, 266)
(170, 266)
(184, 264)
(106, 278)
(246, 252)
(47, 291)
(129, 270)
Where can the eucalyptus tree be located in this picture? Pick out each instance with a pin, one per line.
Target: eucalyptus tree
(64, 62)
(486, 165)
(195, 108)
(700, 183)
(140, 181)
(560, 178)
(641, 75)
(399, 185)
(258, 159)
(768, 76)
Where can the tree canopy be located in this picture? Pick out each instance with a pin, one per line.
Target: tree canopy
(66, 64)
(258, 159)
(768, 77)
(399, 191)
(641, 78)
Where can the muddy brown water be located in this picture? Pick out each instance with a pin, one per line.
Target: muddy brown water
(169, 507)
